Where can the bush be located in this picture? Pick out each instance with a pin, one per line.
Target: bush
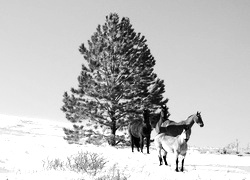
(115, 140)
(232, 148)
(113, 174)
(83, 162)
(90, 163)
(55, 164)
(95, 140)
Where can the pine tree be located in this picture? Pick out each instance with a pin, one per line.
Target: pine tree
(117, 79)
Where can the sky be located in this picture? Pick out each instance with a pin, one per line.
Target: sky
(201, 48)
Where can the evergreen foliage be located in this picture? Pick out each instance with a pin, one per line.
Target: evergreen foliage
(117, 79)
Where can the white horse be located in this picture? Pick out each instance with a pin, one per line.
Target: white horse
(176, 145)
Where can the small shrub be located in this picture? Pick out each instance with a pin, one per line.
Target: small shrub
(111, 140)
(88, 162)
(96, 139)
(232, 148)
(55, 164)
(83, 162)
(224, 151)
(113, 174)
(88, 124)
(115, 140)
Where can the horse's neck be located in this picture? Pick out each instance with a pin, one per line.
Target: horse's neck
(147, 123)
(146, 120)
(190, 121)
(158, 124)
(161, 120)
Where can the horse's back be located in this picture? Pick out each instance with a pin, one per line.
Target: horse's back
(133, 127)
(171, 130)
(165, 142)
(134, 124)
(174, 130)
(168, 122)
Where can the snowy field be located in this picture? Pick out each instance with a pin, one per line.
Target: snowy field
(27, 143)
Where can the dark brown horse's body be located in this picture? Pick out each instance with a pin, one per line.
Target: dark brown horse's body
(138, 130)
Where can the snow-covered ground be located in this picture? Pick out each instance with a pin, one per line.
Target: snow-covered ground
(25, 144)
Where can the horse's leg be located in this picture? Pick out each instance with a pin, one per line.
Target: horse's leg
(176, 156)
(165, 158)
(148, 144)
(182, 164)
(132, 142)
(141, 143)
(159, 156)
(138, 145)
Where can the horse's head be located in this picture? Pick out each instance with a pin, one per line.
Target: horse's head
(198, 119)
(164, 112)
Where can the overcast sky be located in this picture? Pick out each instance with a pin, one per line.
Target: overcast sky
(202, 52)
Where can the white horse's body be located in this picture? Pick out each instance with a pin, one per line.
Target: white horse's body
(169, 144)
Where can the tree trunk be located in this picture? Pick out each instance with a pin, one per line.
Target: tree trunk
(113, 130)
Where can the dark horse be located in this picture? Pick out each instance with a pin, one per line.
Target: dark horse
(138, 130)
(173, 128)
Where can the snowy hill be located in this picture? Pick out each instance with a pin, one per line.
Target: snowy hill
(26, 144)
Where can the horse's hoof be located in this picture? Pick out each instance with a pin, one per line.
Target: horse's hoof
(176, 170)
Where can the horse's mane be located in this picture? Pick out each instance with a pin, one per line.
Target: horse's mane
(190, 116)
(180, 122)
